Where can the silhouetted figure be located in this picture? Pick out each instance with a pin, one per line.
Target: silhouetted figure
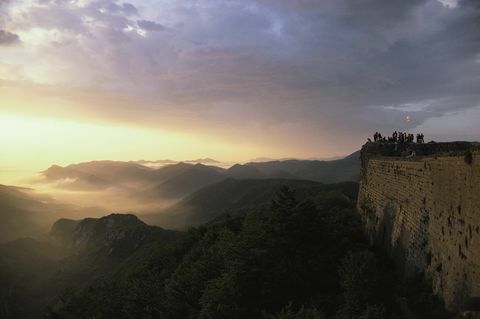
(398, 137)
(395, 136)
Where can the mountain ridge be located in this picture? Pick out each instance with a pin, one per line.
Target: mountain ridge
(232, 195)
(136, 178)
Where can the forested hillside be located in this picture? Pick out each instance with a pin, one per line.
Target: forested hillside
(234, 196)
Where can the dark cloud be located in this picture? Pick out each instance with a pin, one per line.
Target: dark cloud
(150, 25)
(126, 8)
(8, 38)
(129, 9)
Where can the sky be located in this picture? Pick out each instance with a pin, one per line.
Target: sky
(231, 79)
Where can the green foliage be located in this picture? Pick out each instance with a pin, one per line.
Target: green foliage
(366, 285)
(303, 313)
(374, 312)
(237, 196)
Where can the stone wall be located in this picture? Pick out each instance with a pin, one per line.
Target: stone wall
(425, 212)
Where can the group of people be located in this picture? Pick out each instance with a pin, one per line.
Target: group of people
(398, 137)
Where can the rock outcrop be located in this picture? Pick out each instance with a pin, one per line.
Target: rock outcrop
(117, 235)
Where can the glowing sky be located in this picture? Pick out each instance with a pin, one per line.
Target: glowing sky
(230, 79)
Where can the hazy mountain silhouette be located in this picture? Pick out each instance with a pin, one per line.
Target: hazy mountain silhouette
(34, 273)
(98, 175)
(22, 213)
(25, 213)
(132, 186)
(244, 171)
(170, 171)
(174, 180)
(231, 195)
(341, 170)
(188, 181)
(206, 160)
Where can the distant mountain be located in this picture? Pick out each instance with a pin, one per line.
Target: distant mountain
(169, 171)
(98, 175)
(341, 170)
(332, 158)
(188, 181)
(115, 171)
(262, 159)
(26, 213)
(206, 160)
(23, 213)
(71, 178)
(169, 181)
(244, 172)
(268, 159)
(164, 162)
(135, 184)
(231, 195)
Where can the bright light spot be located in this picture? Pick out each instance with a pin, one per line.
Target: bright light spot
(449, 3)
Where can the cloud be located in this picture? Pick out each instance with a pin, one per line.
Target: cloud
(280, 69)
(8, 38)
(150, 25)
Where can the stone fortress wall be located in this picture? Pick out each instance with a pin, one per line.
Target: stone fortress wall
(421, 202)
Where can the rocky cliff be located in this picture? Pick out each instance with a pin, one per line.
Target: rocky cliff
(116, 235)
(422, 204)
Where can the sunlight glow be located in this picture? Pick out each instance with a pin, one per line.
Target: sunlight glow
(35, 143)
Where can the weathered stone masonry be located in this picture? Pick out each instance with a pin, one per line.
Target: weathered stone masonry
(425, 211)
